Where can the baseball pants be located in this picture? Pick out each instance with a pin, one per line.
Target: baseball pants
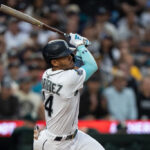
(82, 141)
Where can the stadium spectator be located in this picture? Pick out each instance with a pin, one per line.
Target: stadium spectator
(26, 56)
(63, 3)
(12, 3)
(15, 37)
(13, 74)
(33, 41)
(145, 16)
(134, 70)
(92, 104)
(55, 17)
(135, 44)
(145, 43)
(30, 102)
(36, 59)
(136, 6)
(131, 82)
(102, 17)
(91, 33)
(34, 73)
(121, 100)
(144, 98)
(12, 56)
(9, 104)
(13, 71)
(36, 8)
(128, 26)
(73, 19)
(109, 56)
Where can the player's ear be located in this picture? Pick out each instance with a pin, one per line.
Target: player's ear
(54, 63)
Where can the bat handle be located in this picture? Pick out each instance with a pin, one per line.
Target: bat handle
(47, 27)
(67, 37)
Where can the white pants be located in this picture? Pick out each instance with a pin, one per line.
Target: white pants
(82, 141)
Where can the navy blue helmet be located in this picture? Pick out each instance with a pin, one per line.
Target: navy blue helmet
(56, 49)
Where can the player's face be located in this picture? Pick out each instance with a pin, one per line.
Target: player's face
(64, 63)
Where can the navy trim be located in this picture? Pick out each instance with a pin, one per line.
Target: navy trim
(44, 144)
(54, 73)
(69, 137)
(58, 138)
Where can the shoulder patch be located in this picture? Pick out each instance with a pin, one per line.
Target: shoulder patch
(79, 72)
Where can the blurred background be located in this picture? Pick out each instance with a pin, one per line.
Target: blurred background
(115, 102)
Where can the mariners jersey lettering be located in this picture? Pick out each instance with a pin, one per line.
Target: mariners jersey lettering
(51, 87)
(61, 99)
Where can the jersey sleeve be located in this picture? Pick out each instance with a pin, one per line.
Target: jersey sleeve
(77, 78)
(74, 81)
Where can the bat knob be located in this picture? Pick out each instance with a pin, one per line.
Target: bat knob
(67, 36)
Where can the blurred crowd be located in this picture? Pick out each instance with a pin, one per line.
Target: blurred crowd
(119, 31)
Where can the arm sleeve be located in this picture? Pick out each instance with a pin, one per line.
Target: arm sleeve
(90, 65)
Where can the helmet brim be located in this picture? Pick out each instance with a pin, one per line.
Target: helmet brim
(67, 52)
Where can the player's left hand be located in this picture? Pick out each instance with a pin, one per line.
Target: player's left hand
(77, 40)
(36, 132)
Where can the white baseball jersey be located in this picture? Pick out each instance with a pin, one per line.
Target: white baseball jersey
(61, 99)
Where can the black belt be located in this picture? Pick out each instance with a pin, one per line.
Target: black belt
(69, 137)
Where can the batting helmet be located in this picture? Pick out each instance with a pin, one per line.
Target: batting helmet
(55, 49)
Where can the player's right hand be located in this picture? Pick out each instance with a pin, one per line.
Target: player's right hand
(77, 40)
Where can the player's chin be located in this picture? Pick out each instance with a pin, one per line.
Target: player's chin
(70, 66)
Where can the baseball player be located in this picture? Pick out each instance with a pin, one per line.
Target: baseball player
(60, 88)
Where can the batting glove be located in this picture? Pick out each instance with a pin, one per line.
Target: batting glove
(77, 40)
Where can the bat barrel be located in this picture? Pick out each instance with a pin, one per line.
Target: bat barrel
(20, 15)
(27, 18)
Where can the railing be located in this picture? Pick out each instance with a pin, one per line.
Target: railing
(103, 126)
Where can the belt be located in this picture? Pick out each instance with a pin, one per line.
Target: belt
(69, 137)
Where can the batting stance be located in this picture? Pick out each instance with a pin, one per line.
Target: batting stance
(61, 84)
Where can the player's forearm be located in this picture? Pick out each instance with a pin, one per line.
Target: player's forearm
(90, 65)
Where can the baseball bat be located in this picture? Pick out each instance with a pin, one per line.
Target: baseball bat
(22, 16)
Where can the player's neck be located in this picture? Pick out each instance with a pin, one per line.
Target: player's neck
(56, 68)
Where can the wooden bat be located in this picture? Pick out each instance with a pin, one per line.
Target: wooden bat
(29, 19)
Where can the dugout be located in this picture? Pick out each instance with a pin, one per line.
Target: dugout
(124, 141)
(109, 141)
